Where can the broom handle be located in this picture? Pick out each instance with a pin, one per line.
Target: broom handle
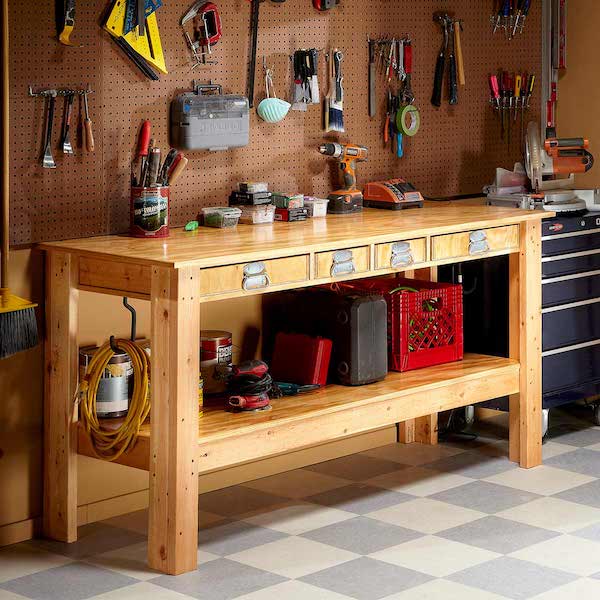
(4, 232)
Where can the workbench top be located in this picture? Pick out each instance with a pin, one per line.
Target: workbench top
(207, 247)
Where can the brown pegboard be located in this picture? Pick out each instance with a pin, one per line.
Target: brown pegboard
(456, 150)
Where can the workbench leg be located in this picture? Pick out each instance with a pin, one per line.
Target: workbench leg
(525, 344)
(60, 385)
(173, 515)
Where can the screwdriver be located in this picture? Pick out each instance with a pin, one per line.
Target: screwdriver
(495, 96)
(522, 12)
(89, 136)
(518, 94)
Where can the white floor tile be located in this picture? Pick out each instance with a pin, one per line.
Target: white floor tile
(566, 553)
(434, 556)
(4, 595)
(298, 518)
(426, 515)
(595, 446)
(293, 557)
(142, 591)
(440, 589)
(554, 514)
(542, 480)
(419, 481)
(582, 589)
(22, 559)
(132, 561)
(413, 454)
(300, 483)
(293, 590)
(551, 449)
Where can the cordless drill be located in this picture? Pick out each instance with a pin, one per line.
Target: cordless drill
(349, 199)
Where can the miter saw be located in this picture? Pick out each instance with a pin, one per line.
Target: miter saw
(551, 167)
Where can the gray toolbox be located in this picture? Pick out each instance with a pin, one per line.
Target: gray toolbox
(207, 119)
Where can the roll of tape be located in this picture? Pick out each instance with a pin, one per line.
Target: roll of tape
(408, 120)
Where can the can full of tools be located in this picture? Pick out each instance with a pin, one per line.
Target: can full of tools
(150, 208)
(216, 351)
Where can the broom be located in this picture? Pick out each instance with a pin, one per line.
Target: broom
(18, 325)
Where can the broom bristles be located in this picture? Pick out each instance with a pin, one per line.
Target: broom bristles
(18, 331)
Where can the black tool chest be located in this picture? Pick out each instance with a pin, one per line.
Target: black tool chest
(570, 310)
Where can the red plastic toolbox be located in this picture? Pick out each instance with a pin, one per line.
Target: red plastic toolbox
(425, 327)
(301, 359)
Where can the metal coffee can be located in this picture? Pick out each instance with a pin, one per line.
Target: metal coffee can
(149, 211)
(216, 353)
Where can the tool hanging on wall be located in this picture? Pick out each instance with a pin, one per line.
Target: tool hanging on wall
(323, 5)
(510, 16)
(447, 51)
(65, 21)
(50, 95)
(18, 324)
(306, 79)
(134, 27)
(333, 106)
(460, 63)
(206, 30)
(271, 109)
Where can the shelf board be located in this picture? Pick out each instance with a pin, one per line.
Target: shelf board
(335, 411)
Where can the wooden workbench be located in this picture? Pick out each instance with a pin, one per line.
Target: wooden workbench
(178, 274)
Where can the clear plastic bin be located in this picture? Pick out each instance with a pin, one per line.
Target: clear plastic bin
(220, 216)
(317, 207)
(254, 215)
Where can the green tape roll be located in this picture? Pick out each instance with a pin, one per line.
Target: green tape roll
(408, 120)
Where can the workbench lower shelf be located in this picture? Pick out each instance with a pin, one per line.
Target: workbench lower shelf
(334, 412)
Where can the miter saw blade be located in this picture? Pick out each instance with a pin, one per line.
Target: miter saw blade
(534, 163)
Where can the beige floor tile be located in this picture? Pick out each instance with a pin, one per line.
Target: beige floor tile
(23, 559)
(141, 591)
(434, 556)
(4, 595)
(542, 480)
(440, 589)
(293, 590)
(413, 454)
(132, 561)
(567, 553)
(554, 514)
(426, 515)
(551, 449)
(582, 589)
(293, 557)
(419, 481)
(298, 518)
(300, 483)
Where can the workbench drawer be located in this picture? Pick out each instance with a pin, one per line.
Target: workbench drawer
(403, 254)
(342, 262)
(247, 277)
(474, 243)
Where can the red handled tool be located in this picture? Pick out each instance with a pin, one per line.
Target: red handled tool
(141, 164)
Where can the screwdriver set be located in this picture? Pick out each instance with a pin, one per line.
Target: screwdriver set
(510, 97)
(510, 16)
(51, 94)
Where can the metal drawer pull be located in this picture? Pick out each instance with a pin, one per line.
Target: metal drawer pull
(401, 255)
(546, 259)
(342, 264)
(571, 348)
(478, 243)
(255, 276)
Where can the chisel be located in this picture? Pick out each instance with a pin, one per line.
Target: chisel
(47, 158)
(153, 166)
(67, 147)
(372, 78)
(178, 170)
(87, 123)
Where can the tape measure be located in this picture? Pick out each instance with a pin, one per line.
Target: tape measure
(408, 120)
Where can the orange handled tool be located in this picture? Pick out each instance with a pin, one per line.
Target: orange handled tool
(87, 123)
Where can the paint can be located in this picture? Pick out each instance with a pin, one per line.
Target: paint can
(149, 211)
(115, 386)
(216, 353)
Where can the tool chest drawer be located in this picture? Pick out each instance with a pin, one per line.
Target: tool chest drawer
(570, 264)
(571, 324)
(571, 368)
(474, 243)
(395, 255)
(342, 262)
(572, 288)
(254, 276)
(570, 242)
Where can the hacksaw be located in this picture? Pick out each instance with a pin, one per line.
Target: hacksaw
(148, 45)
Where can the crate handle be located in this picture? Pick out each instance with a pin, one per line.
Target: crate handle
(255, 276)
(342, 263)
(432, 304)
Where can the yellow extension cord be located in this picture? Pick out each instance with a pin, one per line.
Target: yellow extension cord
(110, 444)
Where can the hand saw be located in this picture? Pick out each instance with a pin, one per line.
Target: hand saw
(147, 45)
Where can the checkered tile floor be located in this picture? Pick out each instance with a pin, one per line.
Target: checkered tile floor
(452, 522)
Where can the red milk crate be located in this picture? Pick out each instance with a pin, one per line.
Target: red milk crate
(425, 328)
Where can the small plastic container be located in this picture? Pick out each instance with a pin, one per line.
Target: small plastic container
(255, 215)
(220, 216)
(317, 207)
(285, 201)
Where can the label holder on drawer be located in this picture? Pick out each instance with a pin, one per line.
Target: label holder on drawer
(402, 255)
(342, 263)
(478, 243)
(255, 276)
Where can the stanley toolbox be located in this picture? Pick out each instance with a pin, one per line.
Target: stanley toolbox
(209, 121)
